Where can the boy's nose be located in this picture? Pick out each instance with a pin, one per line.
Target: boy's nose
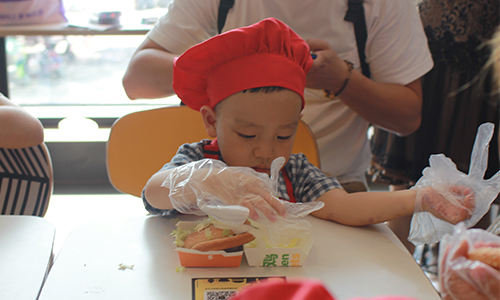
(263, 150)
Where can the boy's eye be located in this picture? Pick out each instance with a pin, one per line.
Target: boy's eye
(284, 137)
(245, 136)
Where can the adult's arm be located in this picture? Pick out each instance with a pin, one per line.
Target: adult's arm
(149, 73)
(18, 129)
(394, 107)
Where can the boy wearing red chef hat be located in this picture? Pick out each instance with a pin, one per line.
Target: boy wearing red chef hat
(248, 85)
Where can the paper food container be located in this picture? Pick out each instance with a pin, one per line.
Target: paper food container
(294, 254)
(195, 258)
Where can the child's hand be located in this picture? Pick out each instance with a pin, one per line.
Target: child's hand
(445, 200)
(230, 194)
(455, 206)
(241, 186)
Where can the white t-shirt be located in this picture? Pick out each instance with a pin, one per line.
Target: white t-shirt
(396, 51)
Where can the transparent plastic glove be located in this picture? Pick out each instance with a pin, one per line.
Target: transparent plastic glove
(229, 194)
(289, 224)
(292, 224)
(461, 278)
(446, 196)
(289, 231)
(294, 210)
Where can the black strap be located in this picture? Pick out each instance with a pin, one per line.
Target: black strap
(356, 15)
(224, 7)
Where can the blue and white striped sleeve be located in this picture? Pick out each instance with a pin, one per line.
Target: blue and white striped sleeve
(308, 181)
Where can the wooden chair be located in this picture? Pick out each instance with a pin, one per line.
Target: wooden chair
(140, 144)
(26, 181)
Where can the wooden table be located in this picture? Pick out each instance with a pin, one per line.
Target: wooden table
(25, 256)
(366, 261)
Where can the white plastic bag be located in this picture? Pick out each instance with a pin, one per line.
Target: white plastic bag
(443, 174)
(462, 278)
(26, 12)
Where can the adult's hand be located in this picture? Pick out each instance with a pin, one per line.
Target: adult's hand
(464, 279)
(391, 106)
(328, 70)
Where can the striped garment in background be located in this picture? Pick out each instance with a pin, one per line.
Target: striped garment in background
(25, 181)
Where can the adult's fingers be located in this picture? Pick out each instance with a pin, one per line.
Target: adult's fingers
(461, 251)
(317, 44)
(487, 280)
(473, 280)
(456, 288)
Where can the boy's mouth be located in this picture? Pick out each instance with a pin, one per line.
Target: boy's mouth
(262, 169)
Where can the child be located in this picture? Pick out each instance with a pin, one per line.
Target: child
(248, 85)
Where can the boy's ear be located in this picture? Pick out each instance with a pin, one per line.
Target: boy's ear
(209, 120)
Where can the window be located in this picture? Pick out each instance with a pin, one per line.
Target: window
(72, 83)
(56, 77)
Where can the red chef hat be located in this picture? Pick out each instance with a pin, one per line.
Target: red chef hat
(267, 53)
(286, 290)
(306, 289)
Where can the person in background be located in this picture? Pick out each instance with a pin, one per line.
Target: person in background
(341, 102)
(494, 63)
(494, 60)
(18, 129)
(457, 97)
(460, 277)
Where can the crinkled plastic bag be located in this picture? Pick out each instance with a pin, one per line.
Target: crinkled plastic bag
(220, 189)
(291, 225)
(462, 278)
(442, 174)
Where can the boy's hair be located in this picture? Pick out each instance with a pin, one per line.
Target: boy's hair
(264, 89)
(267, 53)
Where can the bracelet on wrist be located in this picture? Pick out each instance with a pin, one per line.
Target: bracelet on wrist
(332, 95)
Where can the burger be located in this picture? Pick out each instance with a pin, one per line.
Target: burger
(211, 235)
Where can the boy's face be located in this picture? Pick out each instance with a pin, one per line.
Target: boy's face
(255, 128)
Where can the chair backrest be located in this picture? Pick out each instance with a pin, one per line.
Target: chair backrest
(140, 144)
(26, 180)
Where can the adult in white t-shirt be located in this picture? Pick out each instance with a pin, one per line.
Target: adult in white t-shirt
(396, 51)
